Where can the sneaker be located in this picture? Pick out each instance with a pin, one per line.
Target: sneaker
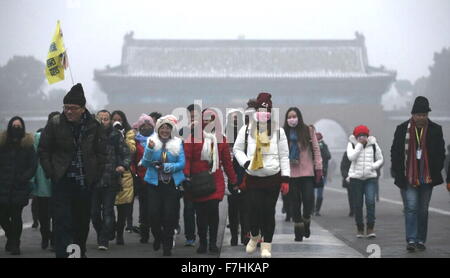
(411, 246)
(190, 243)
(234, 241)
(129, 229)
(371, 234)
(102, 247)
(420, 246)
(360, 234)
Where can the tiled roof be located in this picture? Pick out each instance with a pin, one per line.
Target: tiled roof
(244, 59)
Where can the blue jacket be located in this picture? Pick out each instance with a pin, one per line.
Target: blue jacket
(175, 160)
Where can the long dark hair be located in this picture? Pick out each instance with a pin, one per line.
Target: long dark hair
(9, 138)
(301, 129)
(125, 123)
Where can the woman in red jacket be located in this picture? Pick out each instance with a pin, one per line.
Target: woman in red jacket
(209, 153)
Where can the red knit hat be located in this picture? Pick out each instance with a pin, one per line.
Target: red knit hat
(361, 129)
(264, 101)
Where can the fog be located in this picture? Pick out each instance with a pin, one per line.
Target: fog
(402, 36)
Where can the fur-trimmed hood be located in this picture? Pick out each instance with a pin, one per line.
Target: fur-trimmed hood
(173, 146)
(26, 141)
(371, 140)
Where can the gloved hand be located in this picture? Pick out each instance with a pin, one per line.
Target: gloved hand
(284, 188)
(318, 175)
(234, 189)
(169, 167)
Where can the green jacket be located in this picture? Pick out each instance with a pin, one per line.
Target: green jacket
(42, 186)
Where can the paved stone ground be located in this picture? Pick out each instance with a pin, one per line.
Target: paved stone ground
(333, 233)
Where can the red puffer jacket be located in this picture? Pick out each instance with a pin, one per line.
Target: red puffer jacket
(138, 170)
(194, 165)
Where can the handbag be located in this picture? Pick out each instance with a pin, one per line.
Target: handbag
(201, 185)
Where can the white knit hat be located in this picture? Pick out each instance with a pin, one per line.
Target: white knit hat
(169, 119)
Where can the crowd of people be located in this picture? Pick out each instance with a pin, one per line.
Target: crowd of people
(82, 165)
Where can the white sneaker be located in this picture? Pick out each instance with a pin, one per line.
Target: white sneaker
(102, 248)
(252, 244)
(266, 249)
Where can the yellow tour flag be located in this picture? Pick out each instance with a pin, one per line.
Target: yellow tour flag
(56, 58)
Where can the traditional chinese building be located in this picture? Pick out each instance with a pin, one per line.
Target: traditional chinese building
(326, 79)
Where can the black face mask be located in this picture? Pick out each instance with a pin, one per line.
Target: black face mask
(17, 132)
(146, 131)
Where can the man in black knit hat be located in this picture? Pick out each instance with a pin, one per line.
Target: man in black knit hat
(72, 156)
(417, 159)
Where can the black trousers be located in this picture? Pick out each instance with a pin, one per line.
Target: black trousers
(301, 193)
(45, 218)
(123, 211)
(142, 188)
(72, 214)
(238, 214)
(262, 211)
(207, 221)
(11, 222)
(163, 202)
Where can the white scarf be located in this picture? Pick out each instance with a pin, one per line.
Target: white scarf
(206, 150)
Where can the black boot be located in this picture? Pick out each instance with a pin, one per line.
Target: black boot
(119, 238)
(299, 230)
(144, 234)
(203, 245)
(8, 246)
(44, 243)
(318, 206)
(15, 247)
(307, 225)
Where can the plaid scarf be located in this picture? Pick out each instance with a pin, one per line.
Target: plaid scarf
(76, 169)
(417, 171)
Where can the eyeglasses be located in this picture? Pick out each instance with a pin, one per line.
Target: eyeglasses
(71, 108)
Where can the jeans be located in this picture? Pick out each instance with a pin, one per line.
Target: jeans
(301, 192)
(364, 189)
(189, 219)
(102, 214)
(72, 214)
(416, 203)
(262, 202)
(163, 202)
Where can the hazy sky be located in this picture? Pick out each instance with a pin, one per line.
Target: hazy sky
(400, 34)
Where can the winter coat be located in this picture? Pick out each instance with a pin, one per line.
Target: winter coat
(117, 154)
(310, 158)
(18, 165)
(57, 149)
(195, 165)
(42, 187)
(326, 156)
(436, 153)
(126, 195)
(363, 166)
(175, 156)
(275, 160)
(345, 167)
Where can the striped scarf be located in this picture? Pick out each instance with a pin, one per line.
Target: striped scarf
(417, 172)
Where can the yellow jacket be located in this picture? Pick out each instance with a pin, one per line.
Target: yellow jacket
(126, 196)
